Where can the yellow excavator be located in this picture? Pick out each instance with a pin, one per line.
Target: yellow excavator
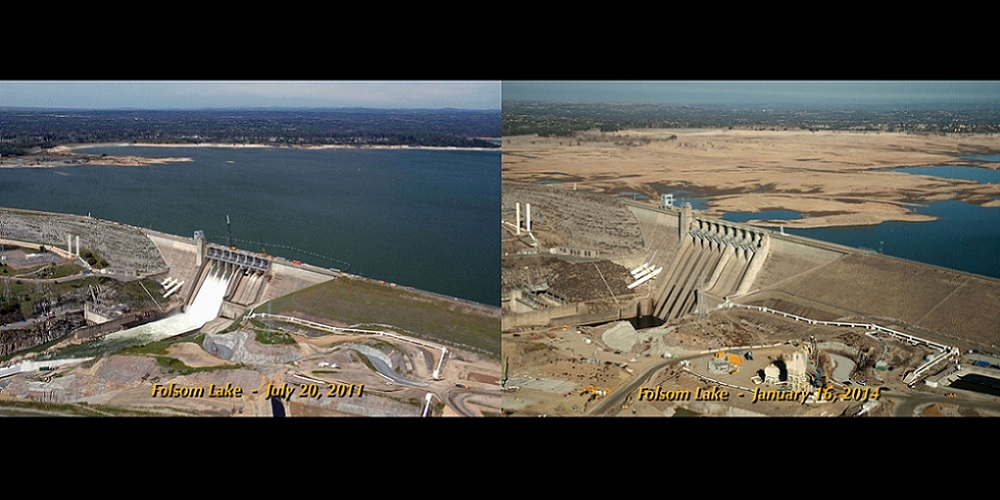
(594, 392)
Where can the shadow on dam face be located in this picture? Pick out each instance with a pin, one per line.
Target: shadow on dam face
(640, 322)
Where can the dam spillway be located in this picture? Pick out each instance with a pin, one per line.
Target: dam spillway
(814, 278)
(208, 281)
(223, 281)
(257, 278)
(249, 274)
(704, 262)
(708, 262)
(715, 260)
(238, 258)
(204, 308)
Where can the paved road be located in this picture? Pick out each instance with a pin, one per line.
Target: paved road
(617, 398)
(386, 370)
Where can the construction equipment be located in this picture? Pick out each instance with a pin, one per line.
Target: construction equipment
(594, 392)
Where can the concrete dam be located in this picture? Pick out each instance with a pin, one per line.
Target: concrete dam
(247, 274)
(225, 284)
(214, 283)
(716, 260)
(704, 262)
(707, 262)
(237, 279)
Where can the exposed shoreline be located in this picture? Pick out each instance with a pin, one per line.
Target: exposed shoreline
(67, 155)
(72, 147)
(833, 178)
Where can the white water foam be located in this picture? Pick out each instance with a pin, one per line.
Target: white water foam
(205, 308)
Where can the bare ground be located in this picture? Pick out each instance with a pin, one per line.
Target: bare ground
(832, 176)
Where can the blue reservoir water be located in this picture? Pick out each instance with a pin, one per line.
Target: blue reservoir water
(420, 218)
(682, 196)
(981, 175)
(965, 237)
(762, 215)
(983, 158)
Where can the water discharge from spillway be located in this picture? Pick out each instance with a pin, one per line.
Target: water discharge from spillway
(204, 308)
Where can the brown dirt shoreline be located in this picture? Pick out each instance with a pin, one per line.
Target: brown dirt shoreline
(66, 155)
(834, 178)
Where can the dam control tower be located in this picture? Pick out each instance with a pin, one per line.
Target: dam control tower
(247, 274)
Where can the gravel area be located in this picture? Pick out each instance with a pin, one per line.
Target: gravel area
(578, 219)
(127, 250)
(574, 282)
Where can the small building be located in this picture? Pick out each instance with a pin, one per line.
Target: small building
(667, 200)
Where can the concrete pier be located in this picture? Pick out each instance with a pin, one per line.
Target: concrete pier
(719, 257)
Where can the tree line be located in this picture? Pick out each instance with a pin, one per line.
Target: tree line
(27, 131)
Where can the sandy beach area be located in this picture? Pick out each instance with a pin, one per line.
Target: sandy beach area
(74, 147)
(68, 155)
(833, 178)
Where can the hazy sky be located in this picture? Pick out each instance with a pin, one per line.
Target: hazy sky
(209, 94)
(478, 95)
(755, 92)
